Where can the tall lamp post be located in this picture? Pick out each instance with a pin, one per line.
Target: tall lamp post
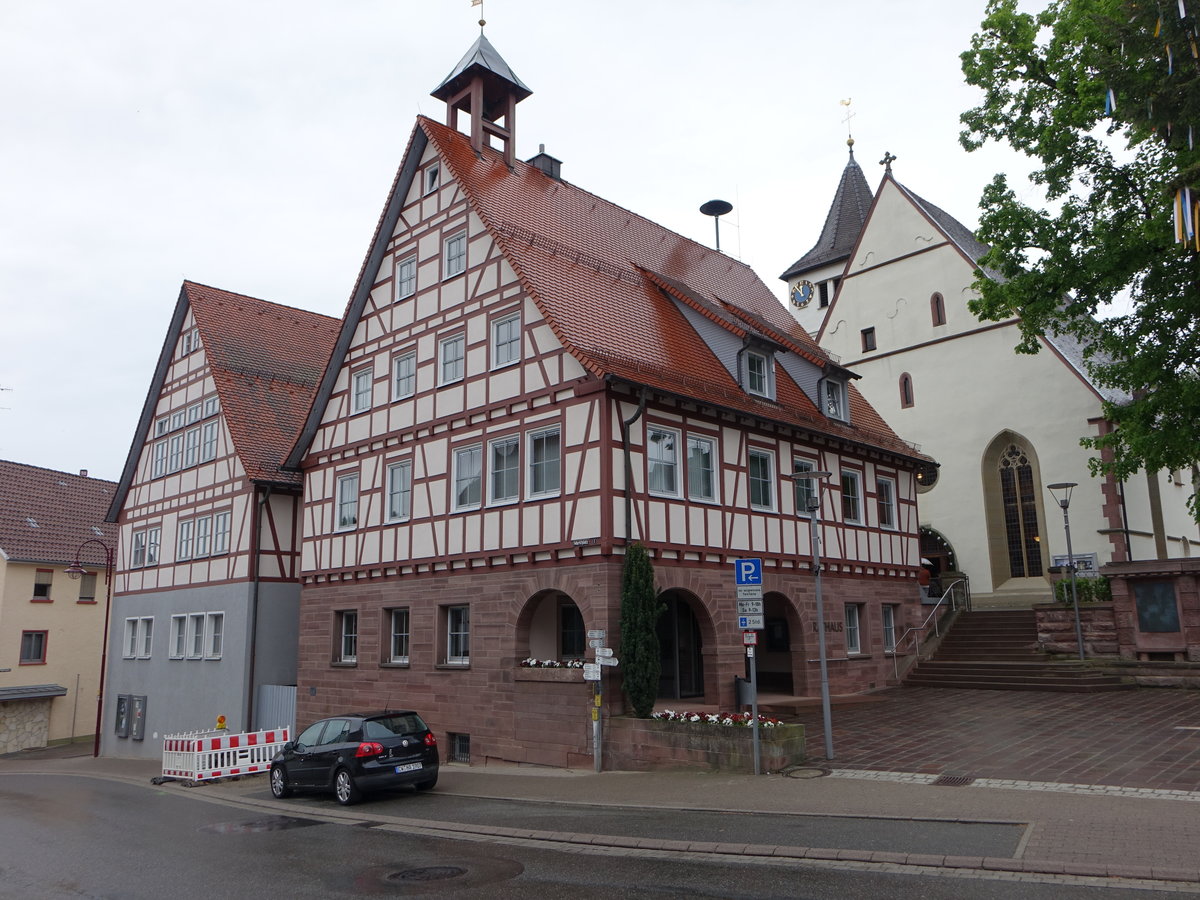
(1062, 496)
(815, 479)
(75, 571)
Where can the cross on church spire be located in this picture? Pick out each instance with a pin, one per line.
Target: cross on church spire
(886, 162)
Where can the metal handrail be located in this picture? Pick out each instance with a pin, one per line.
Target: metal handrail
(949, 596)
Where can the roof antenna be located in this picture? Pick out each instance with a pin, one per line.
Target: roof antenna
(716, 209)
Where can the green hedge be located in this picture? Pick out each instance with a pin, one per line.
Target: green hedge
(1090, 590)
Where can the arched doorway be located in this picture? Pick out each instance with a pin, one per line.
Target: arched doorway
(1012, 495)
(680, 645)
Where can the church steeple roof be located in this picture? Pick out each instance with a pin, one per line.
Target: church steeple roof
(843, 224)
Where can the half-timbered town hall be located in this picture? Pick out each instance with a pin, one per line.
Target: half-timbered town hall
(528, 378)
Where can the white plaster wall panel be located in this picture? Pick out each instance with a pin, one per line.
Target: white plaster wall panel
(656, 521)
(907, 231)
(504, 384)
(544, 522)
(448, 401)
(586, 522)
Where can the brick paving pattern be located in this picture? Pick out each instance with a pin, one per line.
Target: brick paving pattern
(1148, 738)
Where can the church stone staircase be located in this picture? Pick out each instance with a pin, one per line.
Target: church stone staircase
(997, 649)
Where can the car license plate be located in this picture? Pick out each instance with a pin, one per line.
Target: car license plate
(408, 767)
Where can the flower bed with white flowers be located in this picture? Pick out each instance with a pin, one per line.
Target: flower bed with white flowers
(722, 742)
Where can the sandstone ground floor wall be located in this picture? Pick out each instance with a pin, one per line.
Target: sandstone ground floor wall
(486, 703)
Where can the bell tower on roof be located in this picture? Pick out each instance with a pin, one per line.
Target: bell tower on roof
(484, 87)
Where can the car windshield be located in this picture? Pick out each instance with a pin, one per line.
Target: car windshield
(388, 726)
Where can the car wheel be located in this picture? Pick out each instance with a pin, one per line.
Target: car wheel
(426, 785)
(345, 789)
(279, 785)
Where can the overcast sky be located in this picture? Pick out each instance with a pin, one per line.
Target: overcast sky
(250, 145)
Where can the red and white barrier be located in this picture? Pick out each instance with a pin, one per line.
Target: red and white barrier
(205, 755)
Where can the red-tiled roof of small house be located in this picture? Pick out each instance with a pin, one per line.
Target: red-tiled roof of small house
(46, 515)
(267, 361)
(603, 277)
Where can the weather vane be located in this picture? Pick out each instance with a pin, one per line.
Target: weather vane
(482, 20)
(849, 115)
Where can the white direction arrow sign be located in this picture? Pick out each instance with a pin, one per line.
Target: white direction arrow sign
(604, 651)
(606, 660)
(591, 672)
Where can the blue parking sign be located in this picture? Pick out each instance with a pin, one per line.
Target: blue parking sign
(747, 571)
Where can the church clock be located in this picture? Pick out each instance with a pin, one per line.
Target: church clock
(802, 293)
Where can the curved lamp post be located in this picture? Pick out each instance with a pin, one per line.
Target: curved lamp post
(75, 571)
(814, 523)
(1062, 496)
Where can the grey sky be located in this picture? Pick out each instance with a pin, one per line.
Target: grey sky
(250, 145)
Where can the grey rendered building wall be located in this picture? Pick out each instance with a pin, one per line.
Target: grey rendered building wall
(188, 694)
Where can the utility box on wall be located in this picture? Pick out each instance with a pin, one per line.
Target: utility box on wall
(122, 724)
(137, 704)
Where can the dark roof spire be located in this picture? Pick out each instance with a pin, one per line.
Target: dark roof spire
(482, 59)
(483, 86)
(843, 224)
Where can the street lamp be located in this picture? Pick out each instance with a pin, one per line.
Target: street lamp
(75, 571)
(1062, 496)
(814, 523)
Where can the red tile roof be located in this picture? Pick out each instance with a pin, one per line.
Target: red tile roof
(601, 275)
(267, 361)
(46, 516)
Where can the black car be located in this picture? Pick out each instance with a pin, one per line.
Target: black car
(358, 752)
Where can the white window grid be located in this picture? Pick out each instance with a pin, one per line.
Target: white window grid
(504, 471)
(889, 627)
(662, 461)
(468, 477)
(361, 383)
(458, 635)
(806, 488)
(545, 462)
(399, 491)
(184, 549)
(347, 651)
(758, 374)
(347, 501)
(853, 636)
(506, 341)
(195, 636)
(404, 375)
(761, 474)
(701, 468)
(214, 635)
(851, 497)
(399, 636)
(885, 501)
(406, 277)
(178, 637)
(452, 357)
(456, 255)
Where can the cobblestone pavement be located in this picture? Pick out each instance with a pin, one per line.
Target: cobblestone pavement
(1146, 738)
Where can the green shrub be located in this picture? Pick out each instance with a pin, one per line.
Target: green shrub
(1091, 589)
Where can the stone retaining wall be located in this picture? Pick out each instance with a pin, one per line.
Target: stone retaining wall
(24, 724)
(644, 744)
(1097, 621)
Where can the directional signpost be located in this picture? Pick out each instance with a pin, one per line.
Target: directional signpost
(593, 672)
(747, 577)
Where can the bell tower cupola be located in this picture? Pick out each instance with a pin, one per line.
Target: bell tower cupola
(484, 87)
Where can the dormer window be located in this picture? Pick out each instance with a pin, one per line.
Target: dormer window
(759, 374)
(833, 400)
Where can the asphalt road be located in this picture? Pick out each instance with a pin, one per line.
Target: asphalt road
(82, 837)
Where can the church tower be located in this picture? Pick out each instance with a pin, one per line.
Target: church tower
(813, 278)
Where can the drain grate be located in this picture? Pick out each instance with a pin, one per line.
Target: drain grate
(953, 780)
(428, 873)
(805, 772)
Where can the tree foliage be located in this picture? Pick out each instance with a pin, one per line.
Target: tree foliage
(641, 664)
(1100, 94)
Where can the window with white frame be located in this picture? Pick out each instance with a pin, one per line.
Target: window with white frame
(347, 637)
(160, 459)
(432, 174)
(834, 400)
(162, 426)
(806, 488)
(506, 341)
(504, 471)
(139, 637)
(208, 442)
(452, 357)
(545, 455)
(203, 534)
(662, 461)
(851, 496)
(193, 413)
(758, 373)
(184, 548)
(175, 453)
(404, 375)
(361, 390)
(701, 468)
(189, 341)
(885, 501)
(145, 547)
(761, 466)
(195, 636)
(33, 648)
(458, 635)
(212, 406)
(853, 638)
(456, 255)
(178, 637)
(153, 543)
(191, 447)
(137, 556)
(347, 501)
(889, 627)
(406, 277)
(398, 635)
(468, 477)
(220, 536)
(214, 635)
(178, 419)
(399, 491)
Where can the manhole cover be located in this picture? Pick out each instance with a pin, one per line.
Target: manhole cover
(953, 780)
(805, 772)
(428, 873)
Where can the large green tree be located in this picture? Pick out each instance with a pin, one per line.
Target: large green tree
(641, 664)
(1104, 97)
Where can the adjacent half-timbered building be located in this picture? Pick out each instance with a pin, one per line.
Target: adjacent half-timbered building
(207, 590)
(529, 378)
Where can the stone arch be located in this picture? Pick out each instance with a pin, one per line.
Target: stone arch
(685, 636)
(552, 625)
(781, 656)
(1013, 510)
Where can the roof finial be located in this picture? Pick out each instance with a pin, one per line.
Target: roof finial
(482, 20)
(886, 162)
(849, 115)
